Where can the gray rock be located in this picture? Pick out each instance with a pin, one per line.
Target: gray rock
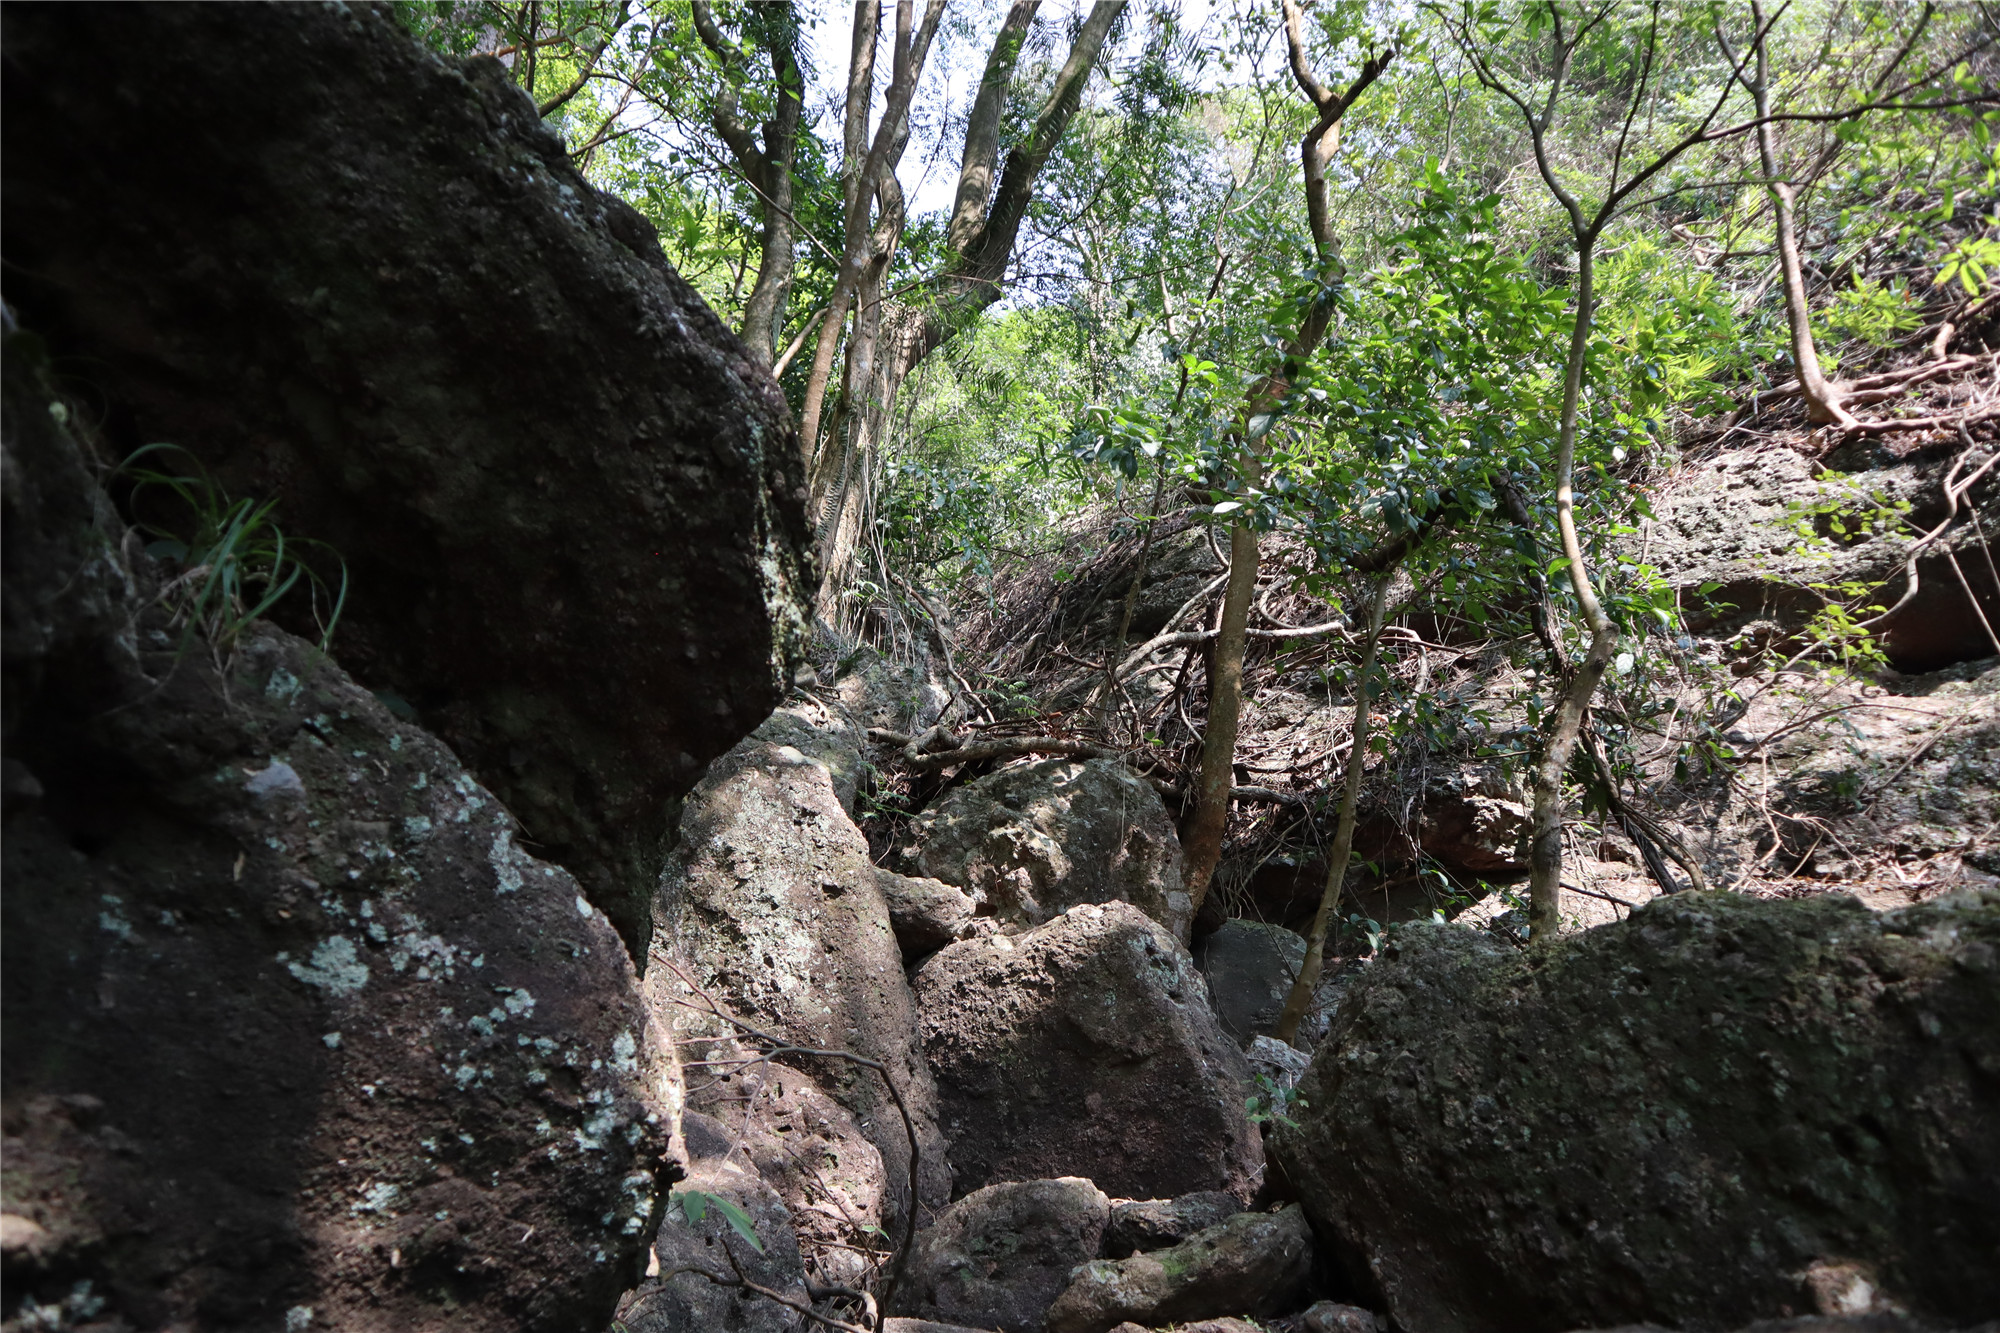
(928, 914)
(1730, 520)
(1274, 1060)
(904, 1324)
(1085, 1047)
(1255, 1264)
(1867, 1323)
(1250, 967)
(1140, 1225)
(770, 906)
(806, 1146)
(1705, 1100)
(999, 1256)
(677, 1298)
(825, 733)
(1039, 838)
(570, 503)
(338, 1042)
(878, 691)
(1333, 1317)
(1474, 820)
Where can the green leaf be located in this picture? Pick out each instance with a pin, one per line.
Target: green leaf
(739, 1220)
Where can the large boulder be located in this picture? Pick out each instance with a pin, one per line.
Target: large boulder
(770, 914)
(1001, 1255)
(368, 283)
(928, 914)
(1085, 1046)
(295, 1034)
(1250, 967)
(1671, 1119)
(1256, 1264)
(1036, 839)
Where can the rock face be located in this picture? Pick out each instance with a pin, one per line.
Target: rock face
(928, 914)
(1036, 839)
(770, 905)
(1250, 967)
(823, 732)
(1255, 1264)
(1670, 1119)
(1730, 520)
(1085, 1046)
(295, 1034)
(569, 503)
(998, 1257)
(685, 1301)
(1474, 821)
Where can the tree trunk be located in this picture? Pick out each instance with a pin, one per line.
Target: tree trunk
(1225, 703)
(1823, 400)
(867, 179)
(1573, 701)
(1225, 710)
(768, 170)
(1301, 994)
(971, 283)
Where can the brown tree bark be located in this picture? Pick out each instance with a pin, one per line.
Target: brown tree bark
(889, 342)
(1204, 835)
(767, 168)
(1823, 400)
(866, 162)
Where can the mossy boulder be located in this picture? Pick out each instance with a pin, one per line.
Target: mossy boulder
(296, 1034)
(1667, 1120)
(368, 283)
(1086, 1047)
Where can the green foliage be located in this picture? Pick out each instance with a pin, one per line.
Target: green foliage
(229, 560)
(693, 1206)
(1871, 312)
(1273, 1100)
(1968, 262)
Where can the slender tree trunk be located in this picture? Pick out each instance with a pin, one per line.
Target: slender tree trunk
(1225, 703)
(1303, 985)
(866, 178)
(768, 170)
(987, 232)
(1823, 400)
(1574, 694)
(1225, 711)
(764, 313)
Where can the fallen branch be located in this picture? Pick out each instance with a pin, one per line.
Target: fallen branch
(1884, 427)
(745, 1284)
(1012, 748)
(1167, 639)
(1258, 795)
(1901, 378)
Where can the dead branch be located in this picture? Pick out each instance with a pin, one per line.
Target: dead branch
(1955, 492)
(1012, 748)
(1938, 422)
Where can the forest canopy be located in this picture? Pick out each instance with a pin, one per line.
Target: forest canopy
(1403, 296)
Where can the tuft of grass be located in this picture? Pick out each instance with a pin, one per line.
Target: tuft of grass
(230, 560)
